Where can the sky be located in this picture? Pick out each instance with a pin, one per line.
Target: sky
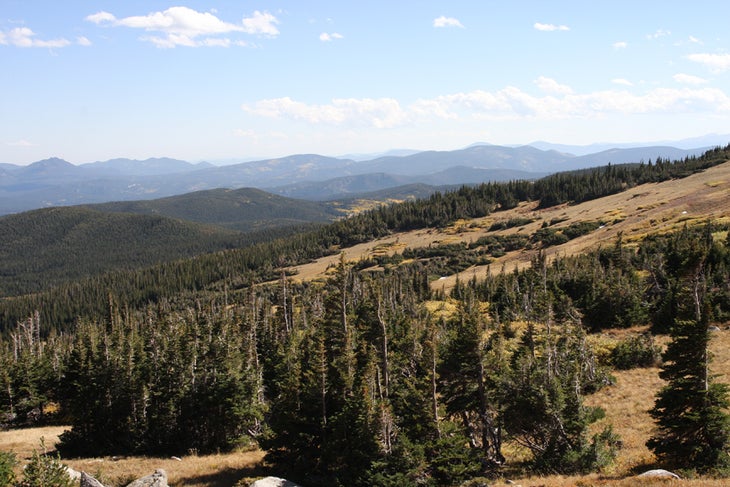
(237, 80)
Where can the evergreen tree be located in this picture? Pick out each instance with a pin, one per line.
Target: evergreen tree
(693, 430)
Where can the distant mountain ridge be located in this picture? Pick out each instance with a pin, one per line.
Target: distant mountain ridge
(55, 182)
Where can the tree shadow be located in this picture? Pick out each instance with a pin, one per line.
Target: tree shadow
(227, 477)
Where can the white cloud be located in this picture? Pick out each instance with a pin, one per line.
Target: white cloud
(261, 23)
(688, 79)
(549, 85)
(24, 37)
(694, 40)
(444, 21)
(509, 103)
(20, 143)
(716, 62)
(620, 45)
(83, 41)
(183, 26)
(378, 113)
(622, 81)
(325, 37)
(101, 18)
(657, 34)
(550, 27)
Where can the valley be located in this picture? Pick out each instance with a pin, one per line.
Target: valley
(501, 333)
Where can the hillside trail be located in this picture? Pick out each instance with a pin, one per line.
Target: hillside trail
(648, 208)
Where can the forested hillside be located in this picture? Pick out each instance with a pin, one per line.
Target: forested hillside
(244, 210)
(370, 377)
(46, 248)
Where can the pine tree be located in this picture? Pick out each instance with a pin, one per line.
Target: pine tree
(693, 429)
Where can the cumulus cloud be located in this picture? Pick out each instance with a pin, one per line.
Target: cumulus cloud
(622, 81)
(620, 45)
(550, 27)
(716, 62)
(326, 37)
(261, 23)
(688, 79)
(509, 103)
(549, 85)
(25, 37)
(379, 113)
(183, 26)
(83, 41)
(444, 21)
(694, 40)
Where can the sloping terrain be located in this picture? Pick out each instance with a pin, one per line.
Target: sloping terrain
(244, 209)
(658, 207)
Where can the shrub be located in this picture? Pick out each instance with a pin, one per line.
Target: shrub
(45, 470)
(637, 351)
(7, 463)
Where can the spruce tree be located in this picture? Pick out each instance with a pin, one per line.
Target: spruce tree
(693, 429)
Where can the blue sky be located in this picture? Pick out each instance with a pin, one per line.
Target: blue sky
(214, 80)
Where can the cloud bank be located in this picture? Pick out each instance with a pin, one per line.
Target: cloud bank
(558, 101)
(183, 26)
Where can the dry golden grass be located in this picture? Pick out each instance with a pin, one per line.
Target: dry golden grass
(649, 208)
(626, 404)
(221, 470)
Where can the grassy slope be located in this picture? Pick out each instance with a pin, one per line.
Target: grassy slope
(649, 208)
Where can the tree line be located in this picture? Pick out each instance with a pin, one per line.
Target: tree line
(360, 379)
(258, 259)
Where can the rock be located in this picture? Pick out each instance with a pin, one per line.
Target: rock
(714, 328)
(660, 473)
(177, 459)
(73, 474)
(157, 479)
(273, 482)
(89, 481)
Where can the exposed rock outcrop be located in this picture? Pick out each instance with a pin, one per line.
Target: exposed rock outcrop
(89, 481)
(273, 482)
(660, 473)
(157, 479)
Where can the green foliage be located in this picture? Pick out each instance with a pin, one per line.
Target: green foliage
(693, 429)
(44, 470)
(8, 461)
(451, 460)
(636, 351)
(351, 381)
(544, 409)
(511, 223)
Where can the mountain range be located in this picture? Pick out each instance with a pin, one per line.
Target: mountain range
(55, 182)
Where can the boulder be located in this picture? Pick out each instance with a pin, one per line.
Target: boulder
(660, 473)
(273, 482)
(73, 474)
(157, 479)
(89, 481)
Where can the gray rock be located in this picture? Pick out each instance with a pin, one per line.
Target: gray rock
(273, 482)
(157, 479)
(89, 481)
(73, 474)
(660, 473)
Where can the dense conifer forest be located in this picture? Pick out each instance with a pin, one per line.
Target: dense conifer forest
(371, 377)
